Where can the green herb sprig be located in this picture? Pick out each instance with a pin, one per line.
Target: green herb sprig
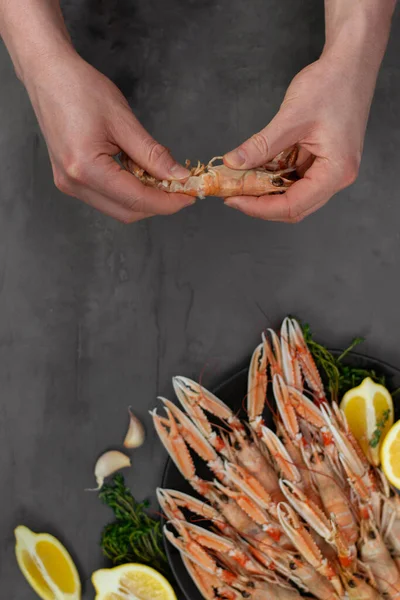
(380, 425)
(339, 377)
(133, 536)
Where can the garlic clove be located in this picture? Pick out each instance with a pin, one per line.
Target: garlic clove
(135, 434)
(107, 464)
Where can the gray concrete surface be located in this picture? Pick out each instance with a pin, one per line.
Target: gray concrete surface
(95, 315)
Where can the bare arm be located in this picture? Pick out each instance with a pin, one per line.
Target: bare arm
(33, 30)
(84, 117)
(325, 110)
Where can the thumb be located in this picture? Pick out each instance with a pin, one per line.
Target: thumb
(145, 151)
(281, 133)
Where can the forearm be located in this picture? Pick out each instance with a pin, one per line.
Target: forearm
(34, 32)
(358, 31)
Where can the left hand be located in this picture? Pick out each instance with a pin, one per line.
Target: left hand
(325, 111)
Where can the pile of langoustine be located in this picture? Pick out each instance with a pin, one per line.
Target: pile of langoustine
(299, 511)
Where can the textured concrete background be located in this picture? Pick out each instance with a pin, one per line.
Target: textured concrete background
(95, 315)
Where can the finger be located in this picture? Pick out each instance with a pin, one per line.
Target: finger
(304, 161)
(149, 154)
(281, 133)
(106, 177)
(318, 185)
(109, 207)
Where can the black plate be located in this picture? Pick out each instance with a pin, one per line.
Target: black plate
(232, 391)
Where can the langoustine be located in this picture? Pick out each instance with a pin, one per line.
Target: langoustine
(219, 180)
(301, 509)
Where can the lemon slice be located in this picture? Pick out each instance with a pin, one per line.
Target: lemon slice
(390, 455)
(369, 413)
(46, 565)
(131, 582)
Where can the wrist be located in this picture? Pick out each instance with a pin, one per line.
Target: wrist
(35, 35)
(357, 33)
(38, 63)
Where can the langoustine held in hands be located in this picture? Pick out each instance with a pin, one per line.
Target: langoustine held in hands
(219, 180)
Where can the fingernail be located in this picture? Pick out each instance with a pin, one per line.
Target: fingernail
(179, 172)
(190, 201)
(236, 158)
(231, 204)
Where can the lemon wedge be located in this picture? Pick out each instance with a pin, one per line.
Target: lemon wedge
(131, 582)
(46, 565)
(390, 455)
(369, 412)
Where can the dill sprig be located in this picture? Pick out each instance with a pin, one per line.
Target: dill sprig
(133, 536)
(339, 377)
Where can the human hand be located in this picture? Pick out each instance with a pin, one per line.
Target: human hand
(325, 111)
(86, 121)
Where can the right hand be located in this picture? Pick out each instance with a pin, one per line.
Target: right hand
(86, 121)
